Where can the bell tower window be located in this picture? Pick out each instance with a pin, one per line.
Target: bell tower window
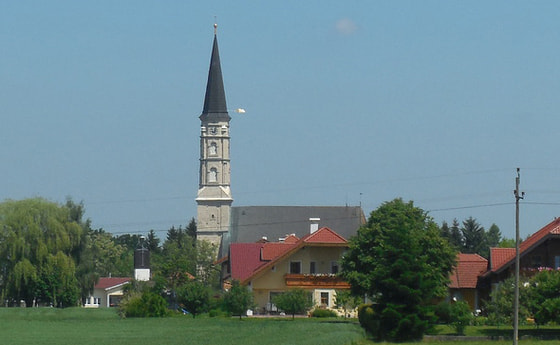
(213, 149)
(213, 175)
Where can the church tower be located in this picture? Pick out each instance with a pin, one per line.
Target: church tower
(214, 195)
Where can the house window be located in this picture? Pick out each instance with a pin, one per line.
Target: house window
(334, 267)
(556, 262)
(325, 298)
(312, 267)
(295, 267)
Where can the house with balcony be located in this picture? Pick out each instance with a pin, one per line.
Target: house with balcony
(271, 268)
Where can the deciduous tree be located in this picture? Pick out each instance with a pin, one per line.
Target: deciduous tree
(40, 242)
(400, 260)
(238, 299)
(194, 296)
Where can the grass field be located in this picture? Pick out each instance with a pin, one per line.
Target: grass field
(80, 326)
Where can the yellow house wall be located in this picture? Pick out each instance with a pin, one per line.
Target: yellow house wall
(273, 280)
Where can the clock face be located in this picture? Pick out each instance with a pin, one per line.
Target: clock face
(213, 130)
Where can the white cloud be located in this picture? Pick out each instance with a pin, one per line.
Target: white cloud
(346, 26)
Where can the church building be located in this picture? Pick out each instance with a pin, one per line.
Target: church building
(220, 223)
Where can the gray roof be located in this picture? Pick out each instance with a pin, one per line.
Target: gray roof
(215, 108)
(251, 223)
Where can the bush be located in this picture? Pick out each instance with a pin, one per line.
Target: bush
(367, 318)
(442, 312)
(147, 304)
(461, 316)
(323, 313)
(389, 323)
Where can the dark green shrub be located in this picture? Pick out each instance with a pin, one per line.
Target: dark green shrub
(367, 318)
(217, 313)
(390, 323)
(147, 304)
(442, 311)
(323, 313)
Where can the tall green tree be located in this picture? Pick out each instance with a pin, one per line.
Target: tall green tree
(400, 260)
(153, 243)
(40, 242)
(191, 229)
(445, 231)
(456, 239)
(475, 238)
(493, 236)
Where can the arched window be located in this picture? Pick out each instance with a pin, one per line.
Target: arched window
(213, 175)
(213, 149)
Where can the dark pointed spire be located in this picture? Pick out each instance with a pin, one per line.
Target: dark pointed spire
(215, 107)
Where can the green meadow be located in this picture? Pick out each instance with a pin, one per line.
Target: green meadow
(80, 326)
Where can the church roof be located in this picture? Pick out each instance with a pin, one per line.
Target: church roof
(251, 223)
(215, 108)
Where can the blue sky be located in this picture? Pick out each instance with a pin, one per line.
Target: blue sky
(347, 102)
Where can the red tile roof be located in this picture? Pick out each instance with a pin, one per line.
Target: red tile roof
(291, 239)
(500, 256)
(324, 236)
(505, 258)
(272, 250)
(469, 268)
(110, 282)
(248, 260)
(245, 258)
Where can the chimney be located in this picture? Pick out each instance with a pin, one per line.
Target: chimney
(314, 224)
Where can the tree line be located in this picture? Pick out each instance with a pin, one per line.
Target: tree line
(470, 237)
(50, 254)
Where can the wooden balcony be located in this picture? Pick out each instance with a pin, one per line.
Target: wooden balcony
(325, 281)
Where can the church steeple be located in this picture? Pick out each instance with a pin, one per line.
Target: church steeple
(214, 196)
(215, 107)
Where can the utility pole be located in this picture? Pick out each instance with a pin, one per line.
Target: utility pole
(516, 295)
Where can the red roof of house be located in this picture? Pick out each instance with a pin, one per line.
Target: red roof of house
(245, 258)
(500, 256)
(249, 259)
(291, 239)
(110, 282)
(324, 236)
(272, 250)
(469, 268)
(505, 256)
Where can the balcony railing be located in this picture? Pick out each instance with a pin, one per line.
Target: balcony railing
(325, 280)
